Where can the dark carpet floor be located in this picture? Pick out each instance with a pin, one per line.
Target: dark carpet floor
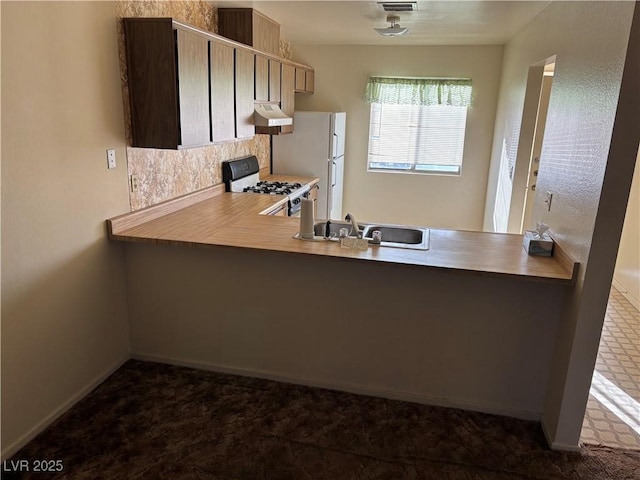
(152, 421)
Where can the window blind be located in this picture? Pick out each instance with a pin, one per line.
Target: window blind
(417, 125)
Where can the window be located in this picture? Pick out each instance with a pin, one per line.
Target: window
(417, 125)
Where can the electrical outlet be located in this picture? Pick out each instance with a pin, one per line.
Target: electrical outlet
(133, 182)
(111, 158)
(547, 199)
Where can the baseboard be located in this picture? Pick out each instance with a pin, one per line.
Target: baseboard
(368, 390)
(626, 294)
(564, 447)
(49, 419)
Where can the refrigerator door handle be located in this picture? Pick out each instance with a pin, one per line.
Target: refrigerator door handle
(335, 145)
(333, 174)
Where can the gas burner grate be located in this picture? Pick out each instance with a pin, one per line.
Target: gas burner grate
(273, 188)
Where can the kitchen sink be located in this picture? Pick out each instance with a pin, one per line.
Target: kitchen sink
(411, 236)
(398, 236)
(320, 228)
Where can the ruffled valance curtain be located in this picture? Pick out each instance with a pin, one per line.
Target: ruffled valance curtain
(419, 91)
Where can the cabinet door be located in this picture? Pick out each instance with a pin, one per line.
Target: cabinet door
(287, 99)
(300, 80)
(262, 79)
(193, 88)
(274, 81)
(305, 80)
(223, 125)
(310, 81)
(244, 80)
(266, 34)
(151, 72)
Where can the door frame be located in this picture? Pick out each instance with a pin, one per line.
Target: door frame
(526, 140)
(536, 152)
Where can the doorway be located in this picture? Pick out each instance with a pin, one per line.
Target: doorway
(524, 171)
(612, 417)
(536, 151)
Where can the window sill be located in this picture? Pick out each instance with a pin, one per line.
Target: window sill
(414, 172)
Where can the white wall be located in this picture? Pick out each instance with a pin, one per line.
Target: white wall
(64, 319)
(388, 330)
(590, 41)
(626, 277)
(430, 200)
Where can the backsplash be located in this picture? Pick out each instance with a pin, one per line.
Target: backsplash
(165, 174)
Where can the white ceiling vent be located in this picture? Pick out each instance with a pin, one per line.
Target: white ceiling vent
(399, 6)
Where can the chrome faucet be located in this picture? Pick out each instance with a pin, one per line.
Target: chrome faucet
(354, 225)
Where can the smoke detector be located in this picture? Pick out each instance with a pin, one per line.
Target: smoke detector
(394, 30)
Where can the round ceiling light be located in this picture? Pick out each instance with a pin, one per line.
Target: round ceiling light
(394, 30)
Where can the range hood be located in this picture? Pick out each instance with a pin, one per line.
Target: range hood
(270, 115)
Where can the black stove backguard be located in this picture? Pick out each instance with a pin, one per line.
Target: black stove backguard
(235, 169)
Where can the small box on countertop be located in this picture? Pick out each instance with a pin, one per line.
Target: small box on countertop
(542, 246)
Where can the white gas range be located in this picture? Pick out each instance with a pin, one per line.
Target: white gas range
(242, 176)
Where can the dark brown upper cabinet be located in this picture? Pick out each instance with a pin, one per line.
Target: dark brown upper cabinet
(190, 88)
(248, 26)
(168, 75)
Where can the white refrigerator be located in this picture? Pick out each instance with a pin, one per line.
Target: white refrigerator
(315, 149)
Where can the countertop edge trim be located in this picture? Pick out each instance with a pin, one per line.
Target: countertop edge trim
(566, 261)
(453, 270)
(129, 220)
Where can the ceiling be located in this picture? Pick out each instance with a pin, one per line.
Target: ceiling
(449, 22)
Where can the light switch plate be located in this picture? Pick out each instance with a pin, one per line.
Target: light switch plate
(111, 158)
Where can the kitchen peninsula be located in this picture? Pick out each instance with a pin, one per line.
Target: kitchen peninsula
(469, 323)
(234, 220)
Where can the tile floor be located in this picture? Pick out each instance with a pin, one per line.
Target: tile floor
(613, 410)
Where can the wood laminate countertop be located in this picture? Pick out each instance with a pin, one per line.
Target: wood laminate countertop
(215, 218)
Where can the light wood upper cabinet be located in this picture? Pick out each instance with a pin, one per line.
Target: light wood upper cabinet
(305, 80)
(275, 74)
(193, 88)
(268, 75)
(266, 34)
(222, 92)
(244, 81)
(310, 81)
(287, 92)
(262, 79)
(300, 79)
